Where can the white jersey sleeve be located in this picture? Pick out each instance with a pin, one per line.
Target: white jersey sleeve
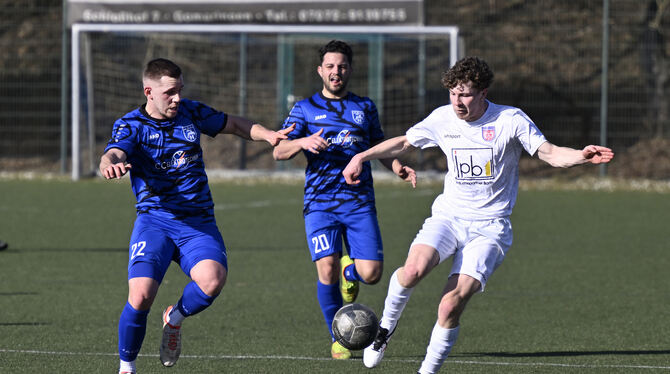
(421, 135)
(527, 133)
(482, 158)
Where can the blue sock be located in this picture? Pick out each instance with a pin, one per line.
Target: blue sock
(351, 274)
(132, 327)
(194, 300)
(330, 301)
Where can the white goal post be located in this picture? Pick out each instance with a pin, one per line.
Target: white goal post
(451, 34)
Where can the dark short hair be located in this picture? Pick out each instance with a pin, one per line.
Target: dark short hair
(468, 69)
(337, 46)
(160, 67)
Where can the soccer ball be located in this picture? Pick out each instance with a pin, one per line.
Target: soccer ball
(355, 326)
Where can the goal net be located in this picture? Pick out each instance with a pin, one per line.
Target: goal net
(255, 71)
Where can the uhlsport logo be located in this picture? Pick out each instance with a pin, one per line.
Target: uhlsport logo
(345, 139)
(189, 133)
(473, 163)
(358, 116)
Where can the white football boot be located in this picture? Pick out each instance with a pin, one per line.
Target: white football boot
(373, 354)
(171, 341)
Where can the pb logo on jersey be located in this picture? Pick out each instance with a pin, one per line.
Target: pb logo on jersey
(488, 133)
(358, 116)
(189, 133)
(473, 163)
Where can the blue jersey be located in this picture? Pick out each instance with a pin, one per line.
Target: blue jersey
(168, 173)
(350, 125)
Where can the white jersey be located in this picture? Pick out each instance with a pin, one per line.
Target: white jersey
(482, 158)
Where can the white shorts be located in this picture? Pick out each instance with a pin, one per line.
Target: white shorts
(478, 247)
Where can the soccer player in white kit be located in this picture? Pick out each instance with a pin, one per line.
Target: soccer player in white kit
(470, 220)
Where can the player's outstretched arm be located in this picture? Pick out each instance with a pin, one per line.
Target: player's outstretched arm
(287, 149)
(390, 148)
(113, 164)
(404, 172)
(246, 129)
(565, 157)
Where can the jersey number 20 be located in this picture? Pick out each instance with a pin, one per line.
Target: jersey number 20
(320, 243)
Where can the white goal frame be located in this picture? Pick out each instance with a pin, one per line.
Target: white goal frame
(79, 28)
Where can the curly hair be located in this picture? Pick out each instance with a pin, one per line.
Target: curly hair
(468, 69)
(337, 46)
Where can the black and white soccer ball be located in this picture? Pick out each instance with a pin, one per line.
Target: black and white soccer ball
(355, 326)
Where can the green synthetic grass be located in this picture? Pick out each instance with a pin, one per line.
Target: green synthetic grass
(583, 289)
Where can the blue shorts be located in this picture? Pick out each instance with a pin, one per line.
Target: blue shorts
(360, 233)
(156, 241)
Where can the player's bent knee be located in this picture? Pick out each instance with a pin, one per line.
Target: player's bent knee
(211, 285)
(372, 278)
(328, 270)
(140, 300)
(369, 271)
(411, 275)
(210, 277)
(142, 292)
(370, 274)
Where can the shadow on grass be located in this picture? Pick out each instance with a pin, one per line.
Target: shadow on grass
(564, 353)
(25, 250)
(125, 249)
(18, 293)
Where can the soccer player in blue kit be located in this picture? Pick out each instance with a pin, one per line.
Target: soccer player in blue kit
(330, 128)
(159, 144)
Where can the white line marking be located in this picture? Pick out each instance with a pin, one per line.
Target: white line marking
(273, 357)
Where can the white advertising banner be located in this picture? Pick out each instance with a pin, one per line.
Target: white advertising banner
(295, 12)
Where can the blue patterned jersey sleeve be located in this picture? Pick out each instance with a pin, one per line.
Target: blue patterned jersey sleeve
(124, 136)
(297, 117)
(209, 120)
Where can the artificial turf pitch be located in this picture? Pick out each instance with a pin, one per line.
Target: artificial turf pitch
(584, 289)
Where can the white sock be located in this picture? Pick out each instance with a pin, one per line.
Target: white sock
(396, 299)
(441, 341)
(175, 318)
(128, 366)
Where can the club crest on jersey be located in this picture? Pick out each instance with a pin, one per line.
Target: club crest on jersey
(488, 133)
(189, 133)
(358, 116)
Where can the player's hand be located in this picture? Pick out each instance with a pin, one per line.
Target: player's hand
(314, 143)
(596, 154)
(117, 170)
(408, 174)
(275, 137)
(353, 171)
